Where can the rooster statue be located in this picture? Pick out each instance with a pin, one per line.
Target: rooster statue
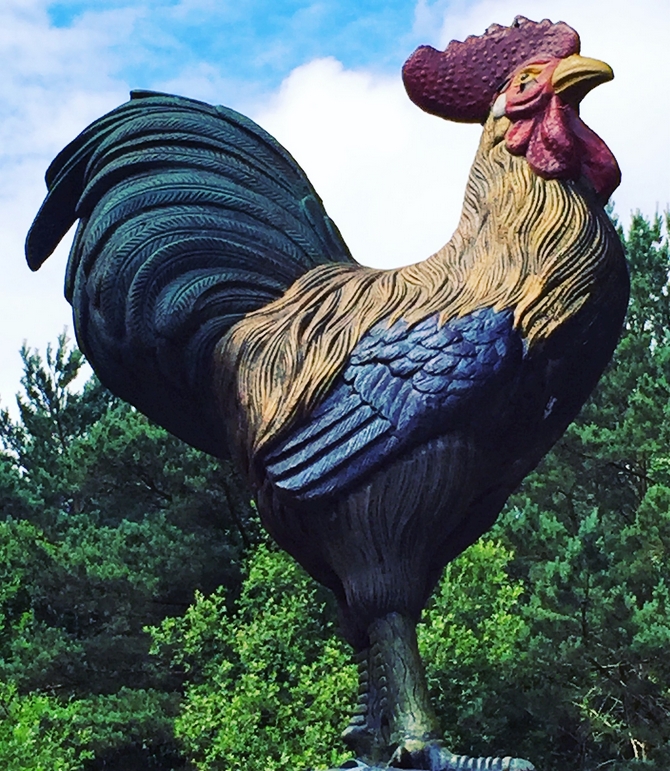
(382, 417)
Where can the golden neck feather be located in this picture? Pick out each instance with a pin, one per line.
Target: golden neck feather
(541, 247)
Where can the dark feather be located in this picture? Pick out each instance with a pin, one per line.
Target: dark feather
(191, 217)
(382, 413)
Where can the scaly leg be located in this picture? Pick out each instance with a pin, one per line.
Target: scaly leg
(394, 725)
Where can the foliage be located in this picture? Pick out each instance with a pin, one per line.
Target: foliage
(38, 733)
(52, 417)
(547, 639)
(43, 733)
(271, 685)
(473, 639)
(107, 524)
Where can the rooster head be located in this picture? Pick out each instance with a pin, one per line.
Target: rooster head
(532, 75)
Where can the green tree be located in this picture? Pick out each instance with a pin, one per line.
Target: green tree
(474, 640)
(52, 417)
(270, 684)
(38, 733)
(107, 524)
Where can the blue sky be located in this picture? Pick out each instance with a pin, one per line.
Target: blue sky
(324, 78)
(258, 42)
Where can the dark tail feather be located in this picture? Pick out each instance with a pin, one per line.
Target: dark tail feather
(191, 216)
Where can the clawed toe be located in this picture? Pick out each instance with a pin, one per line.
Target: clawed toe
(433, 756)
(464, 763)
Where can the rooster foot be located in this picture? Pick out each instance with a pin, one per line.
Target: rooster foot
(415, 755)
(394, 717)
(433, 756)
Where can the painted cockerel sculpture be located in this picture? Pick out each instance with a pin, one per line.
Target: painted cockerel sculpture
(382, 417)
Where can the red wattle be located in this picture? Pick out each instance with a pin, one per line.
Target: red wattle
(558, 145)
(599, 165)
(547, 142)
(551, 151)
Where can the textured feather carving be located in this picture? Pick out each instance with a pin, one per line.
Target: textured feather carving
(374, 412)
(536, 247)
(191, 216)
(381, 417)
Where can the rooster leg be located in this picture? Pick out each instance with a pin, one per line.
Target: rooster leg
(394, 709)
(394, 725)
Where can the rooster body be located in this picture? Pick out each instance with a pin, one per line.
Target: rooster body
(382, 418)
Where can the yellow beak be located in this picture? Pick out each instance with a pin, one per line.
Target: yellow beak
(576, 75)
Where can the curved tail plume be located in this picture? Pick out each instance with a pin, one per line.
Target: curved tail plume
(190, 217)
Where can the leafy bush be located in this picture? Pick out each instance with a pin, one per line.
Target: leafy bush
(270, 684)
(38, 733)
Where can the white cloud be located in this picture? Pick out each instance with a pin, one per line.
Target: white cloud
(55, 81)
(391, 176)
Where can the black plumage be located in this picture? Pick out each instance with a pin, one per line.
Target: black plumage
(191, 216)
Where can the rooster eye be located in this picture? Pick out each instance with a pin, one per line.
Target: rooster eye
(525, 80)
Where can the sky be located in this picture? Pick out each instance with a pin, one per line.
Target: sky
(324, 78)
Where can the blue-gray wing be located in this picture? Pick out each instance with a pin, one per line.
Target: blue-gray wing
(402, 385)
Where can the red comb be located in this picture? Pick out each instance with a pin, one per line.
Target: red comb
(461, 82)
